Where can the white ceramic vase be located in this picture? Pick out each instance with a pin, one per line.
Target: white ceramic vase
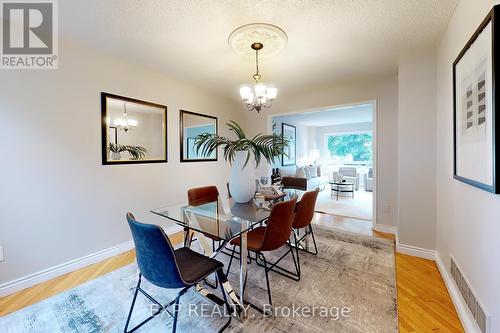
(242, 179)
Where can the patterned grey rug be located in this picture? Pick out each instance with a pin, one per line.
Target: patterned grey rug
(350, 286)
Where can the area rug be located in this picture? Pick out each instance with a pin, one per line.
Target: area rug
(359, 207)
(349, 286)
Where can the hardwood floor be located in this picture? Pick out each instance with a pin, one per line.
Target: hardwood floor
(424, 304)
(423, 301)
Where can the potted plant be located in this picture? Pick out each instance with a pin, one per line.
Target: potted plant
(136, 152)
(238, 152)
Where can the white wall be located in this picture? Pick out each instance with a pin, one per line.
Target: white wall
(416, 149)
(468, 224)
(384, 91)
(58, 202)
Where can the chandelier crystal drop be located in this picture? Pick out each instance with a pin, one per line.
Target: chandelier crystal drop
(125, 124)
(259, 96)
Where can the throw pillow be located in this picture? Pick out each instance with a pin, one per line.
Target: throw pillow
(313, 171)
(301, 173)
(308, 173)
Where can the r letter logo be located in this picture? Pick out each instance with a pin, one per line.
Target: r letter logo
(29, 35)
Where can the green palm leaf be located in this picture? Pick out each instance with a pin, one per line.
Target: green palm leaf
(267, 146)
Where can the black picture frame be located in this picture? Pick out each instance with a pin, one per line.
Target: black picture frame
(294, 162)
(181, 134)
(104, 127)
(493, 17)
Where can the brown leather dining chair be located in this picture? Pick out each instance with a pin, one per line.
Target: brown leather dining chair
(304, 213)
(270, 237)
(200, 196)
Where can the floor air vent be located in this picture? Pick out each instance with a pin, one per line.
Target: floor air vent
(475, 308)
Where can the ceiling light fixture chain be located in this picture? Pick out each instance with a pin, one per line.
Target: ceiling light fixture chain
(257, 47)
(260, 96)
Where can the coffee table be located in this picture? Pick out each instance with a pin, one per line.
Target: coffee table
(342, 187)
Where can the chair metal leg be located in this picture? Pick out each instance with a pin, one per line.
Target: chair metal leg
(133, 303)
(176, 311)
(221, 277)
(267, 281)
(266, 270)
(230, 260)
(295, 262)
(215, 275)
(137, 289)
(307, 233)
(314, 240)
(213, 286)
(297, 253)
(176, 307)
(283, 271)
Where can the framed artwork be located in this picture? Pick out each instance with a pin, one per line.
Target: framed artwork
(191, 125)
(475, 121)
(289, 132)
(132, 131)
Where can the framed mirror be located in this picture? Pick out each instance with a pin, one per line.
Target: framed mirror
(191, 125)
(133, 131)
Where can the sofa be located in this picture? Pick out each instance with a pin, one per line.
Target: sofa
(349, 174)
(305, 178)
(369, 180)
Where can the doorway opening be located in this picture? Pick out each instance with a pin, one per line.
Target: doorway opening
(341, 143)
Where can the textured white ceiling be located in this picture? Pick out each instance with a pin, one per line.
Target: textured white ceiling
(329, 40)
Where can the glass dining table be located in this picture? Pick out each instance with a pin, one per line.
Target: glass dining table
(221, 220)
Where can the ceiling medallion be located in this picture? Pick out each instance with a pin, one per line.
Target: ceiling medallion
(273, 37)
(258, 39)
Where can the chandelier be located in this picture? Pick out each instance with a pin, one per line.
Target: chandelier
(125, 124)
(256, 35)
(259, 96)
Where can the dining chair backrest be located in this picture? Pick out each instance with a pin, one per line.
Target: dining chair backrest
(201, 195)
(304, 212)
(279, 225)
(155, 254)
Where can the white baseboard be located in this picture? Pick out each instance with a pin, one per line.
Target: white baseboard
(55, 271)
(388, 229)
(464, 314)
(416, 251)
(70, 266)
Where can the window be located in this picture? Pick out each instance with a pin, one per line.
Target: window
(350, 149)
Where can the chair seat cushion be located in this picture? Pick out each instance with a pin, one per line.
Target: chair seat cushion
(194, 266)
(255, 237)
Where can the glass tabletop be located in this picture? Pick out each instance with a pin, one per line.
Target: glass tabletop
(222, 218)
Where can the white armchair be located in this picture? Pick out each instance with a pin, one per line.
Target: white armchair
(369, 180)
(349, 174)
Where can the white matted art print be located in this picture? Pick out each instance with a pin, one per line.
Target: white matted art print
(473, 111)
(289, 132)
